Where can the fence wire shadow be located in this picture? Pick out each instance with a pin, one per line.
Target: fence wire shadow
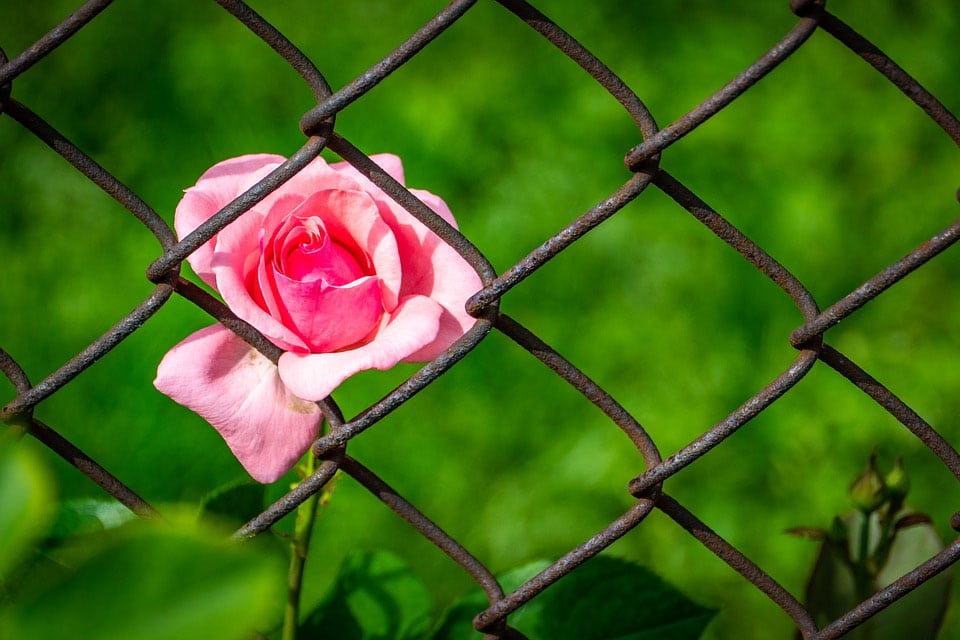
(643, 162)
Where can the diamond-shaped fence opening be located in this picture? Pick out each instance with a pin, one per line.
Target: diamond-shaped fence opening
(590, 232)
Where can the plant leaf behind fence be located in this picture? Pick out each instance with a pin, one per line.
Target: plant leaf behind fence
(375, 596)
(606, 599)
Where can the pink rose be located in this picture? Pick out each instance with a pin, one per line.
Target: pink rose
(332, 271)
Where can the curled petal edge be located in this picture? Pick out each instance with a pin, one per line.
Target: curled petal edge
(414, 325)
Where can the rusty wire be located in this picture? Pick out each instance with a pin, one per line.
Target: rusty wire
(643, 161)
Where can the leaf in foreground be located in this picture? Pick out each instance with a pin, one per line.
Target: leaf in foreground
(25, 498)
(150, 581)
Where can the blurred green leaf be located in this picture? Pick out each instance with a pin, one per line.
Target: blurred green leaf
(150, 581)
(235, 502)
(88, 515)
(607, 598)
(375, 596)
(457, 620)
(25, 499)
(613, 598)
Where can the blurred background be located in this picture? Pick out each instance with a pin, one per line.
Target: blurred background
(824, 164)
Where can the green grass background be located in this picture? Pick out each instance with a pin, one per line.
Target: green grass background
(824, 164)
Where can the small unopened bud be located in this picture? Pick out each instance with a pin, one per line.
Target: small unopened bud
(868, 491)
(897, 481)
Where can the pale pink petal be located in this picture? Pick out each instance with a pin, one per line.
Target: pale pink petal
(410, 328)
(450, 282)
(239, 391)
(434, 269)
(437, 205)
(320, 176)
(216, 188)
(450, 330)
(386, 161)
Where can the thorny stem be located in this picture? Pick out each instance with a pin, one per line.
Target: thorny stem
(299, 546)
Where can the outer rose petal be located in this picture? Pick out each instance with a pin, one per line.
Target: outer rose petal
(450, 330)
(216, 188)
(314, 376)
(239, 392)
(386, 161)
(320, 176)
(434, 269)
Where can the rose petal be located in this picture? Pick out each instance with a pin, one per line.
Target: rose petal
(434, 269)
(234, 264)
(329, 317)
(412, 326)
(216, 188)
(304, 250)
(320, 176)
(239, 391)
(353, 219)
(437, 205)
(386, 161)
(451, 329)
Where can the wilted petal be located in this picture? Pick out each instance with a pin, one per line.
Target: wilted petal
(412, 326)
(239, 391)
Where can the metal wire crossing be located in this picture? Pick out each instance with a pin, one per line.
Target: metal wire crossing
(643, 162)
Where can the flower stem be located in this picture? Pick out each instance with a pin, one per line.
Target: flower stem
(863, 576)
(299, 546)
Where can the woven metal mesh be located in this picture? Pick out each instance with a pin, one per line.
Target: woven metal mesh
(645, 173)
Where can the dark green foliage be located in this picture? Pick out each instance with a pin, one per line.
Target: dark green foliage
(606, 599)
(375, 597)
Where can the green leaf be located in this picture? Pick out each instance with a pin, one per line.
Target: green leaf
(606, 598)
(150, 581)
(88, 515)
(236, 502)
(26, 497)
(611, 598)
(918, 615)
(375, 597)
(457, 620)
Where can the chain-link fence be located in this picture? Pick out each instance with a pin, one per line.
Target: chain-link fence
(643, 162)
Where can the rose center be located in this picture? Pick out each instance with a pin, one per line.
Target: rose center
(307, 253)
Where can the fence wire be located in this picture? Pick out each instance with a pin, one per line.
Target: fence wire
(643, 162)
